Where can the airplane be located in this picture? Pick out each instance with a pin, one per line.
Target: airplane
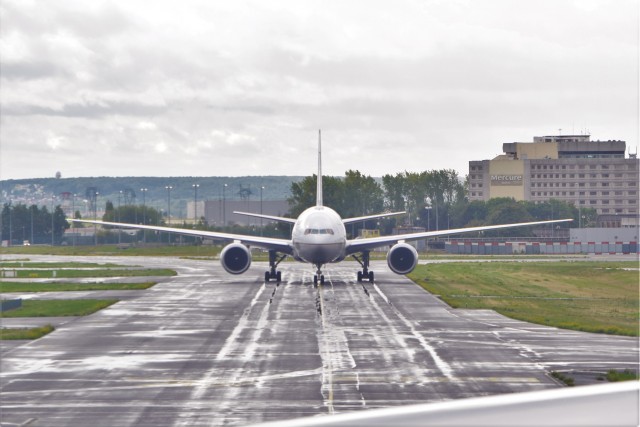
(319, 237)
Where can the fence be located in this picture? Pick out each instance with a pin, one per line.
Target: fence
(536, 248)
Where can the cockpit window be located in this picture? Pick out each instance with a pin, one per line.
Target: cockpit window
(318, 231)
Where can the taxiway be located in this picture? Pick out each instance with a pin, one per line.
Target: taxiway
(206, 348)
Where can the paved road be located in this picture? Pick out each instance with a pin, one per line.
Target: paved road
(208, 349)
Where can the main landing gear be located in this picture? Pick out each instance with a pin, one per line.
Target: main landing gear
(273, 263)
(365, 274)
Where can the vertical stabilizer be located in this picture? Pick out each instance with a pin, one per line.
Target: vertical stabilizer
(319, 187)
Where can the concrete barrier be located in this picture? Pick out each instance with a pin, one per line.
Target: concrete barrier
(10, 304)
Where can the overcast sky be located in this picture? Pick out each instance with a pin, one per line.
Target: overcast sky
(232, 88)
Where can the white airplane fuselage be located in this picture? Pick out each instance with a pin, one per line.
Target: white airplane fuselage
(319, 236)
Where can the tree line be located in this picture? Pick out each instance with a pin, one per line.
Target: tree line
(33, 224)
(433, 200)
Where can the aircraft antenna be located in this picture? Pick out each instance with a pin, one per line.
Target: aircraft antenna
(319, 185)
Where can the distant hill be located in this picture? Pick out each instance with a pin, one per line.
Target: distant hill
(40, 190)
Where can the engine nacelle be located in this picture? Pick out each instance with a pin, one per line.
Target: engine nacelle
(402, 258)
(235, 258)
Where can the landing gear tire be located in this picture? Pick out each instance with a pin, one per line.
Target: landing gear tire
(315, 281)
(359, 276)
(322, 279)
(268, 275)
(371, 277)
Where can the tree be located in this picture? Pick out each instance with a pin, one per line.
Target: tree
(21, 223)
(60, 224)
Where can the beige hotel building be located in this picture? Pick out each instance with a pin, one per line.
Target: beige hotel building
(572, 168)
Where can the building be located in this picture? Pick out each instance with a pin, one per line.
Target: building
(217, 212)
(571, 168)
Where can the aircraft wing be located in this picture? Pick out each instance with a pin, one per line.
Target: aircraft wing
(280, 245)
(365, 218)
(269, 217)
(365, 244)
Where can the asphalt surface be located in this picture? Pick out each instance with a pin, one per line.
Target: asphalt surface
(206, 348)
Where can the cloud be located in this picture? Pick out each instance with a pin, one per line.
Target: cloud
(414, 85)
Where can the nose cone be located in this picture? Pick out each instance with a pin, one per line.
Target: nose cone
(320, 253)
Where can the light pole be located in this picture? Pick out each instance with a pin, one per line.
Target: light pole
(144, 213)
(73, 215)
(261, 188)
(31, 209)
(169, 188)
(11, 225)
(224, 205)
(52, 215)
(428, 209)
(95, 217)
(119, 217)
(195, 204)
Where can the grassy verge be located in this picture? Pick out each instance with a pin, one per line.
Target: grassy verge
(587, 296)
(58, 308)
(626, 375)
(109, 272)
(25, 334)
(52, 265)
(113, 250)
(58, 287)
(567, 380)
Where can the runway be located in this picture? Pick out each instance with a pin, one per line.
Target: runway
(206, 348)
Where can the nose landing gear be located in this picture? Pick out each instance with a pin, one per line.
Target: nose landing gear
(318, 276)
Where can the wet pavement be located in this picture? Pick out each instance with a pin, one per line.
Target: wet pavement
(206, 348)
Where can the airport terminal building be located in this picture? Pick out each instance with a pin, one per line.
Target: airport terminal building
(572, 168)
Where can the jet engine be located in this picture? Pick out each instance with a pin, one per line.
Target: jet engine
(402, 258)
(235, 258)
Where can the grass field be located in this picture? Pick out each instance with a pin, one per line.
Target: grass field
(25, 334)
(26, 263)
(587, 296)
(108, 272)
(58, 308)
(58, 287)
(114, 250)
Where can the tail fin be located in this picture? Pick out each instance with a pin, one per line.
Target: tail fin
(319, 187)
